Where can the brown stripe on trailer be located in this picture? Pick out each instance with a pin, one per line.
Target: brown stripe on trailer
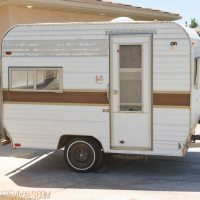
(93, 97)
(171, 99)
(65, 97)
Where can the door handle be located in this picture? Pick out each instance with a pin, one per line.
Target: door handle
(115, 92)
(108, 92)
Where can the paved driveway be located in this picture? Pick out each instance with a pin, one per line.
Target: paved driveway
(29, 170)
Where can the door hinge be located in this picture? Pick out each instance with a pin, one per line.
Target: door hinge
(118, 50)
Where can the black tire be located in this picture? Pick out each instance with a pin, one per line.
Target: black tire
(83, 154)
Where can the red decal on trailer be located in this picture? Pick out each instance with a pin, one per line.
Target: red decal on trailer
(99, 79)
(8, 53)
(17, 145)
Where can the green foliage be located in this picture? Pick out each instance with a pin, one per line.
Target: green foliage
(194, 23)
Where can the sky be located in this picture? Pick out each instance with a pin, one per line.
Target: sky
(186, 8)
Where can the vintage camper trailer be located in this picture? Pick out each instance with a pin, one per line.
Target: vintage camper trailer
(113, 87)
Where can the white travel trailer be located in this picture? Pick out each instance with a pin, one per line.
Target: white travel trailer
(112, 87)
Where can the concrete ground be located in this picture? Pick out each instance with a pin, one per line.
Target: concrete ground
(28, 171)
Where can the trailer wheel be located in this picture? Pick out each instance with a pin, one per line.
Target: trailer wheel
(83, 154)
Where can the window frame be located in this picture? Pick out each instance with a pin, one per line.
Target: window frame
(34, 69)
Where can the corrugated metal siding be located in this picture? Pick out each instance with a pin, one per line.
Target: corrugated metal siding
(92, 40)
(40, 126)
(171, 128)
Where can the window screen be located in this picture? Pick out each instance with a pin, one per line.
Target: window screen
(130, 78)
(130, 56)
(35, 79)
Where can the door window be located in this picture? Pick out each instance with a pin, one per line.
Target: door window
(130, 78)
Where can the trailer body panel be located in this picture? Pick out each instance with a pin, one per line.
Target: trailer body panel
(38, 117)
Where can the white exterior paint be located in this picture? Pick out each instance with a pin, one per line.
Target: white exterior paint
(78, 73)
(41, 126)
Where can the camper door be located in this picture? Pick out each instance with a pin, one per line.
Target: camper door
(131, 91)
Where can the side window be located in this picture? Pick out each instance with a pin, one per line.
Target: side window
(35, 79)
(22, 79)
(197, 73)
(48, 80)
